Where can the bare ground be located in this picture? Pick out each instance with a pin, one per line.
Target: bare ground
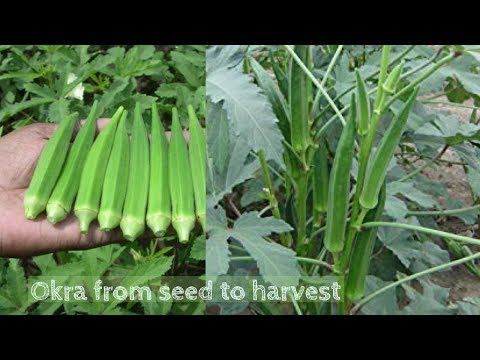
(459, 279)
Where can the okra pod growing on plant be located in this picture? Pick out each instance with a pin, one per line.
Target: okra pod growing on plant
(93, 175)
(391, 82)
(299, 97)
(198, 158)
(159, 213)
(116, 178)
(48, 168)
(181, 186)
(339, 186)
(362, 252)
(377, 170)
(320, 181)
(363, 102)
(66, 189)
(133, 219)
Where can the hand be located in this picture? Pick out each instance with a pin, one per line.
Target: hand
(19, 237)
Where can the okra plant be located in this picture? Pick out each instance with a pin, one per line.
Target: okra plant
(323, 154)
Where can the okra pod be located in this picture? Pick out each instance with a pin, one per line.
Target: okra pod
(116, 178)
(133, 219)
(198, 159)
(181, 186)
(339, 185)
(159, 213)
(362, 252)
(391, 82)
(377, 170)
(61, 201)
(363, 102)
(93, 175)
(299, 98)
(48, 168)
(320, 181)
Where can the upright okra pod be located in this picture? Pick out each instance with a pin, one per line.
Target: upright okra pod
(320, 181)
(159, 213)
(362, 252)
(66, 189)
(363, 102)
(339, 186)
(299, 99)
(116, 178)
(93, 175)
(377, 170)
(48, 168)
(181, 186)
(133, 219)
(391, 82)
(198, 159)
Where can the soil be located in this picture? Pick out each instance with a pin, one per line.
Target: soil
(461, 282)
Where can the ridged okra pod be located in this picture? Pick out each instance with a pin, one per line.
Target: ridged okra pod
(362, 252)
(116, 178)
(93, 175)
(159, 213)
(135, 207)
(48, 168)
(339, 186)
(377, 170)
(320, 181)
(66, 189)
(198, 159)
(181, 186)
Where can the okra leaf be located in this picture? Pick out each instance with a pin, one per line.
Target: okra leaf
(198, 249)
(383, 304)
(473, 177)
(217, 251)
(408, 190)
(224, 56)
(469, 306)
(432, 300)
(249, 112)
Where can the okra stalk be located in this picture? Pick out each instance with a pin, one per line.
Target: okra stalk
(116, 178)
(91, 183)
(181, 186)
(133, 219)
(48, 168)
(159, 213)
(66, 189)
(198, 158)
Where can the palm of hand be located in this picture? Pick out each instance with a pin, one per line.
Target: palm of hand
(20, 237)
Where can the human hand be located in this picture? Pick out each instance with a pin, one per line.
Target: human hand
(20, 237)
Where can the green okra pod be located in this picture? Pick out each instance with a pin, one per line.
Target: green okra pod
(116, 178)
(135, 207)
(391, 82)
(339, 186)
(159, 213)
(363, 103)
(91, 183)
(48, 168)
(66, 189)
(377, 170)
(198, 159)
(300, 88)
(181, 185)
(362, 252)
(320, 181)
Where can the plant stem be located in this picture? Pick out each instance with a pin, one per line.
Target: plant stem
(295, 305)
(450, 264)
(450, 104)
(285, 238)
(315, 82)
(426, 165)
(325, 78)
(301, 207)
(443, 212)
(443, 234)
(299, 259)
